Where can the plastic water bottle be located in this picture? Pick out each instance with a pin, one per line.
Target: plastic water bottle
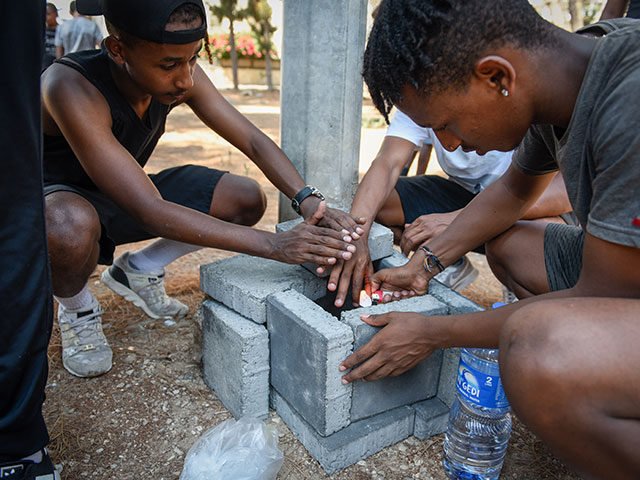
(479, 422)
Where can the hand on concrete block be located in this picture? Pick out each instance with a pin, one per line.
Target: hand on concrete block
(405, 341)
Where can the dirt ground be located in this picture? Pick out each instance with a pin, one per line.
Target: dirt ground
(139, 420)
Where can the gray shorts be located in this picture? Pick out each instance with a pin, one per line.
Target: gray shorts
(191, 186)
(563, 255)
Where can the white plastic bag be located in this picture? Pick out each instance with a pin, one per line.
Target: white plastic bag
(242, 450)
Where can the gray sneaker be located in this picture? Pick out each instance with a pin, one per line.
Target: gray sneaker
(85, 350)
(458, 276)
(508, 296)
(144, 289)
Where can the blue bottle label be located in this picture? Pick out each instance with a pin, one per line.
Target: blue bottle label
(480, 388)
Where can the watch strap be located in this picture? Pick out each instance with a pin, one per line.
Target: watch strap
(306, 192)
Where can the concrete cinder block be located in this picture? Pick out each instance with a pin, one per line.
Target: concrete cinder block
(307, 346)
(431, 418)
(395, 259)
(353, 443)
(380, 242)
(457, 303)
(419, 383)
(235, 356)
(448, 376)
(243, 283)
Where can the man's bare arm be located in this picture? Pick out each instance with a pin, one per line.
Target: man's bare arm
(614, 9)
(219, 115)
(608, 270)
(118, 175)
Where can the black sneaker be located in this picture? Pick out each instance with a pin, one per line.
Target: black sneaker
(28, 470)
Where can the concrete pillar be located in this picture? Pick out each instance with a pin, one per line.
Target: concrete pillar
(321, 97)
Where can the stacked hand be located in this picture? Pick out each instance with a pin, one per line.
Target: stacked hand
(309, 242)
(332, 218)
(353, 272)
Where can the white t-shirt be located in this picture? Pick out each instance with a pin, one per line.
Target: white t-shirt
(472, 171)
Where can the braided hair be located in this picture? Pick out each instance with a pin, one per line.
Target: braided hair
(432, 45)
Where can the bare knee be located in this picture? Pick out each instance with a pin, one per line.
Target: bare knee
(73, 226)
(495, 251)
(238, 200)
(391, 213)
(535, 366)
(252, 203)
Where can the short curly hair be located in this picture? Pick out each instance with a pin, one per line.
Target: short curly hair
(432, 45)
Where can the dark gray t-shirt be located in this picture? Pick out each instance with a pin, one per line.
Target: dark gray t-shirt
(599, 152)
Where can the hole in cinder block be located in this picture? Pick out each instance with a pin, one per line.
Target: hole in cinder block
(326, 301)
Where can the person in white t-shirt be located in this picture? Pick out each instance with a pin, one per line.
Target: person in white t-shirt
(419, 207)
(77, 34)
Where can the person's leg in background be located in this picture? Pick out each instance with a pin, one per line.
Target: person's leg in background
(25, 291)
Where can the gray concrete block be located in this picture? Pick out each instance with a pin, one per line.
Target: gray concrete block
(419, 383)
(395, 259)
(235, 356)
(243, 283)
(380, 242)
(457, 303)
(353, 443)
(431, 418)
(307, 346)
(448, 376)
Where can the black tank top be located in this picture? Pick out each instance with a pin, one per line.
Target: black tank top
(138, 136)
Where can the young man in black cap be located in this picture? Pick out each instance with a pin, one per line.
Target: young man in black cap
(103, 112)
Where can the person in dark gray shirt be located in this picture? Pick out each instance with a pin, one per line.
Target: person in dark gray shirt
(486, 75)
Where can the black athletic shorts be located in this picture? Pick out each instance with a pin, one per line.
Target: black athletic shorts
(563, 255)
(191, 186)
(427, 194)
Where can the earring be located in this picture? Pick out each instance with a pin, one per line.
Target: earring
(504, 92)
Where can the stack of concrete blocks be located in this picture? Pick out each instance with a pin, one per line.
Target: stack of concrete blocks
(267, 342)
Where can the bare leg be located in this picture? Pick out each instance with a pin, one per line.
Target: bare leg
(73, 232)
(516, 258)
(238, 200)
(391, 215)
(569, 368)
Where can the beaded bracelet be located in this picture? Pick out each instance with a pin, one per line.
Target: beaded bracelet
(431, 260)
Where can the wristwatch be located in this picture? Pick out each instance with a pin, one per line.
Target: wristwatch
(307, 191)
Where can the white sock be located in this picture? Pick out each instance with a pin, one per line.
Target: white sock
(159, 254)
(35, 457)
(78, 302)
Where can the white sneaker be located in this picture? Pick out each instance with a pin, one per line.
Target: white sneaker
(144, 289)
(458, 276)
(85, 350)
(508, 296)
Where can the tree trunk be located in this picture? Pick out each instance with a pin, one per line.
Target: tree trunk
(267, 36)
(234, 55)
(576, 10)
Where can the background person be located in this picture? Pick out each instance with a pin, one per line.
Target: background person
(50, 36)
(77, 34)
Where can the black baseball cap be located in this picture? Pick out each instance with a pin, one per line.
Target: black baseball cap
(145, 19)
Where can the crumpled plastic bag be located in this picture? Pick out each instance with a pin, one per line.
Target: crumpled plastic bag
(242, 450)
